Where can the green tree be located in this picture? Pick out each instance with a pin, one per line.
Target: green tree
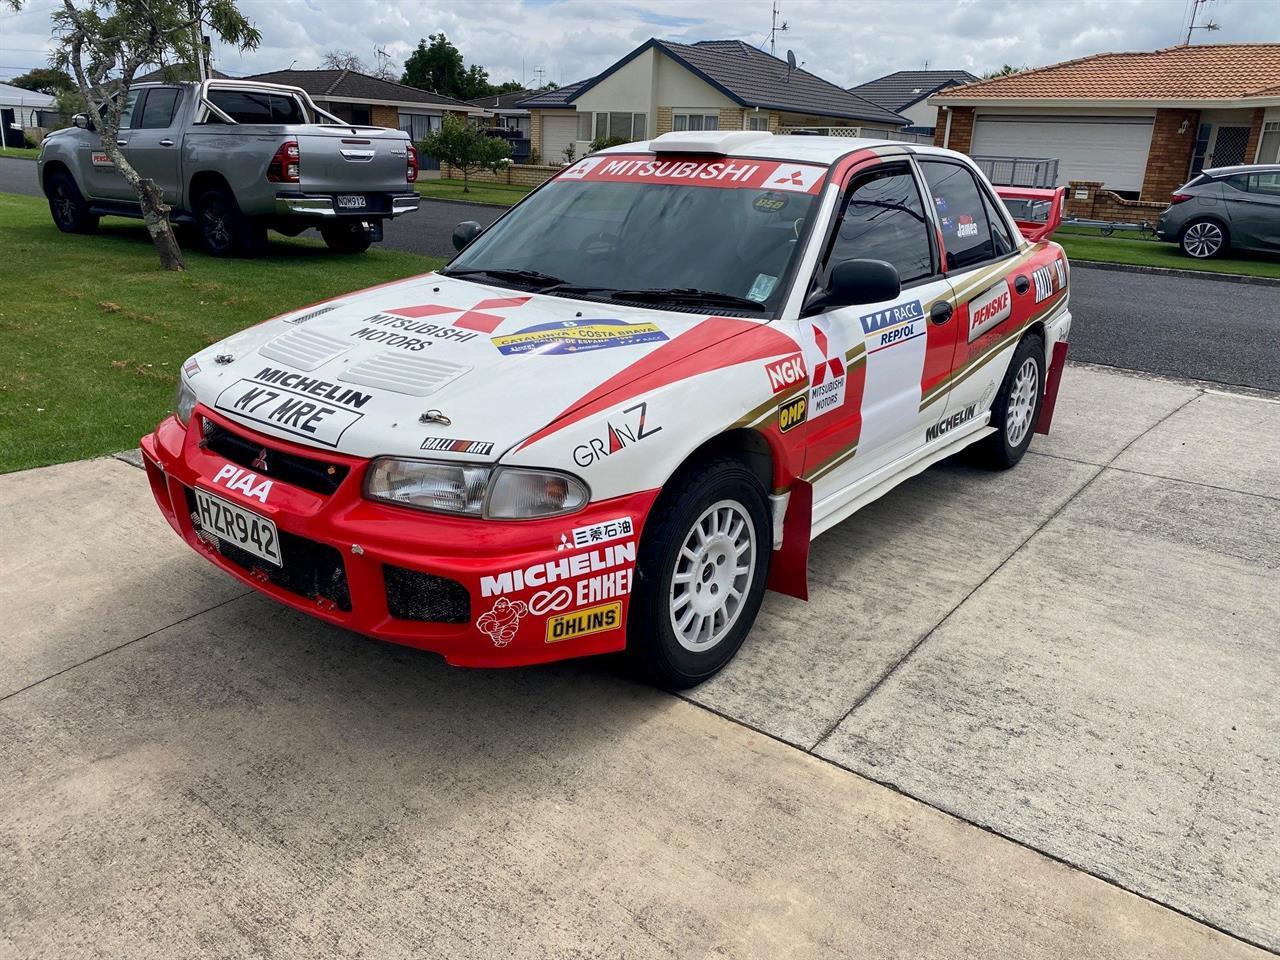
(436, 66)
(462, 146)
(1004, 71)
(103, 43)
(44, 80)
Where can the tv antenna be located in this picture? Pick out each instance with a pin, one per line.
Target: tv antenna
(383, 60)
(539, 72)
(776, 29)
(1195, 12)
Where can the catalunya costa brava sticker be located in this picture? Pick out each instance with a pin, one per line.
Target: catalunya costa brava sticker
(571, 336)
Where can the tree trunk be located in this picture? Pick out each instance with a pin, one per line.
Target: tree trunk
(155, 212)
(465, 188)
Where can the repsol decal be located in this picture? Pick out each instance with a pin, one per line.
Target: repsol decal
(631, 427)
(947, 424)
(316, 410)
(893, 325)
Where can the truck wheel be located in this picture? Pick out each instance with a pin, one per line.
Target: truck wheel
(224, 230)
(1016, 407)
(700, 574)
(1203, 239)
(345, 237)
(67, 205)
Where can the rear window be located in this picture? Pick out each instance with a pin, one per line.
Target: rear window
(157, 109)
(251, 106)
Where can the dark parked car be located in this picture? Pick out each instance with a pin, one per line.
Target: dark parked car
(1225, 207)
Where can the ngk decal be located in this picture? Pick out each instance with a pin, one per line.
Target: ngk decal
(826, 389)
(316, 410)
(631, 427)
(756, 174)
(989, 309)
(562, 568)
(786, 372)
(233, 478)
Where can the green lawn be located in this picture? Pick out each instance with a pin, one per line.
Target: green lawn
(1083, 243)
(480, 192)
(92, 332)
(22, 153)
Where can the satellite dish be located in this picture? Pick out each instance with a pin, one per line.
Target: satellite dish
(791, 60)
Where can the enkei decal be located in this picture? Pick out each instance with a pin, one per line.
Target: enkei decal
(893, 325)
(552, 571)
(793, 413)
(785, 373)
(989, 310)
(191, 367)
(947, 424)
(475, 447)
(581, 623)
(317, 410)
(407, 325)
(551, 601)
(571, 336)
(309, 315)
(233, 478)
(501, 623)
(597, 533)
(633, 429)
(604, 586)
(826, 389)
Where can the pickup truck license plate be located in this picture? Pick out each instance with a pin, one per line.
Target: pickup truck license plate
(350, 202)
(238, 526)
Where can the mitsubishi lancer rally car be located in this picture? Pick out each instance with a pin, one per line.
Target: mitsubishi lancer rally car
(625, 409)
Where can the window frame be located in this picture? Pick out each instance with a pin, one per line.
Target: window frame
(704, 112)
(140, 107)
(1019, 241)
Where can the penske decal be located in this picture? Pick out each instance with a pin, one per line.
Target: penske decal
(989, 309)
(757, 174)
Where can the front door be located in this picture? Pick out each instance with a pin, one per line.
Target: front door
(1253, 204)
(102, 179)
(155, 143)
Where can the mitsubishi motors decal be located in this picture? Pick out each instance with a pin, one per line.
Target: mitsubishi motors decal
(826, 389)
(753, 174)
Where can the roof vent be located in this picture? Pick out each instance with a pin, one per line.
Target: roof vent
(708, 141)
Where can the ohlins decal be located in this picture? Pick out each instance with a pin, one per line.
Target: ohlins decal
(632, 429)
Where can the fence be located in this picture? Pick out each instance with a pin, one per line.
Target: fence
(1019, 171)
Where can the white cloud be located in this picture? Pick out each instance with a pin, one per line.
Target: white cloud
(845, 41)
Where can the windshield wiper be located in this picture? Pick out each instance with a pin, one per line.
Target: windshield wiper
(531, 277)
(687, 295)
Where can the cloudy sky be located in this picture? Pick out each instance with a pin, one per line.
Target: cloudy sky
(845, 41)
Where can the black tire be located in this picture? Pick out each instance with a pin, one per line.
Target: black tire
(653, 646)
(223, 230)
(350, 237)
(996, 451)
(1204, 239)
(67, 205)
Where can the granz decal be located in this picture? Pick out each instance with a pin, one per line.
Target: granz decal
(792, 414)
(293, 403)
(581, 623)
(597, 533)
(552, 571)
(785, 373)
(571, 336)
(476, 448)
(1049, 279)
(233, 478)
(989, 310)
(893, 325)
(947, 424)
(633, 429)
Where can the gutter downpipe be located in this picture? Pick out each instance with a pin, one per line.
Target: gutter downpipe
(946, 134)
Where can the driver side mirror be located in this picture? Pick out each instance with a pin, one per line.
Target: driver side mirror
(464, 233)
(82, 121)
(855, 282)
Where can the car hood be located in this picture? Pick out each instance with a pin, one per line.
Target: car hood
(433, 366)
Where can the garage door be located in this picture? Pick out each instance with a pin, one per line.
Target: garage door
(557, 133)
(1110, 149)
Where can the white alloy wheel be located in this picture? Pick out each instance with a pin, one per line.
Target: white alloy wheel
(713, 575)
(1022, 402)
(1203, 240)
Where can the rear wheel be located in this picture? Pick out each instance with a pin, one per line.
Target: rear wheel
(68, 207)
(700, 576)
(346, 237)
(224, 231)
(1203, 239)
(1016, 407)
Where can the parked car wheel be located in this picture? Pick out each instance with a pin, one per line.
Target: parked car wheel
(1204, 239)
(345, 237)
(224, 231)
(700, 575)
(68, 207)
(1016, 407)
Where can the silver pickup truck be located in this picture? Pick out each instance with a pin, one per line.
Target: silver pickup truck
(235, 158)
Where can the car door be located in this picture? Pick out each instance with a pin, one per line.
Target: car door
(1253, 204)
(870, 364)
(154, 145)
(101, 178)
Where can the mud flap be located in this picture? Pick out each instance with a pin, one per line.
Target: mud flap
(789, 569)
(1051, 387)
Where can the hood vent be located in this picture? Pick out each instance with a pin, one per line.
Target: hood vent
(414, 376)
(304, 349)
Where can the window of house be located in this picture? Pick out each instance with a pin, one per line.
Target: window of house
(418, 125)
(695, 120)
(883, 218)
(1269, 147)
(157, 110)
(584, 127)
(617, 124)
(757, 123)
(962, 212)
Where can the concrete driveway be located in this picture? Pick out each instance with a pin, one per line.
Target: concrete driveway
(1027, 714)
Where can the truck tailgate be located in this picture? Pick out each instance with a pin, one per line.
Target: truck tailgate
(352, 160)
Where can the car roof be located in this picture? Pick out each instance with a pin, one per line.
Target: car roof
(761, 145)
(1242, 168)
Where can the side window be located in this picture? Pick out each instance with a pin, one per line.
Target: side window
(1267, 184)
(966, 230)
(1239, 182)
(253, 106)
(882, 218)
(157, 109)
(126, 115)
(1000, 238)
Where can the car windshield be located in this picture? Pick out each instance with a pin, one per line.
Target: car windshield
(727, 246)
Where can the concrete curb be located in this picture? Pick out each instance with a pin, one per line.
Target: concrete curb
(465, 203)
(1171, 272)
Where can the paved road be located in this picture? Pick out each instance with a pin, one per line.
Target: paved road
(1177, 326)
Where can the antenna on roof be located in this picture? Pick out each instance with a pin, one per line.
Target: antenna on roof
(1195, 12)
(775, 29)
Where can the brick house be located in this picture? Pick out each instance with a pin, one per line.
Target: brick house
(663, 86)
(1140, 124)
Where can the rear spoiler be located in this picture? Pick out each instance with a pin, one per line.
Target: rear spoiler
(1036, 210)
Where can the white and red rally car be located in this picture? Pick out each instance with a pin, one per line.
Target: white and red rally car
(626, 408)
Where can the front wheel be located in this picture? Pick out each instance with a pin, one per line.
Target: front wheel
(346, 237)
(68, 207)
(1203, 239)
(700, 579)
(1016, 407)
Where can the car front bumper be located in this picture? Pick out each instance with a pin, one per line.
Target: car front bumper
(479, 592)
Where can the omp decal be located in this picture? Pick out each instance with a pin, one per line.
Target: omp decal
(947, 424)
(633, 429)
(826, 387)
(786, 372)
(552, 571)
(791, 415)
(751, 174)
(597, 533)
(581, 623)
(475, 447)
(569, 336)
(893, 325)
(990, 309)
(294, 403)
(233, 478)
(502, 621)
(472, 318)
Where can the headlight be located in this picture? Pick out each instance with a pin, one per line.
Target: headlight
(186, 400)
(511, 493)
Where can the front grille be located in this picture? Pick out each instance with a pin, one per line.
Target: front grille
(312, 570)
(422, 596)
(318, 476)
